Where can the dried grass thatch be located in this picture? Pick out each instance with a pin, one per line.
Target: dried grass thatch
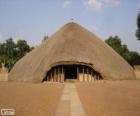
(75, 45)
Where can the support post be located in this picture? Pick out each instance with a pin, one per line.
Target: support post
(92, 78)
(59, 79)
(63, 78)
(48, 77)
(55, 74)
(77, 73)
(52, 76)
(83, 74)
(58, 75)
(90, 75)
(87, 79)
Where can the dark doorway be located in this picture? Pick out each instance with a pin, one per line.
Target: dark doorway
(70, 72)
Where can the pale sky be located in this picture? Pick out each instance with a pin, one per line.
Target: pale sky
(32, 19)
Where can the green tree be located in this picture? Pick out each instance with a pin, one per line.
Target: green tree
(8, 53)
(11, 52)
(115, 43)
(133, 58)
(138, 27)
(45, 38)
(22, 48)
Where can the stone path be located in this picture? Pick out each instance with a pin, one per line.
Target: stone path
(70, 104)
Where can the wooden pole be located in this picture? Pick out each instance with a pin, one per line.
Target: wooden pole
(59, 74)
(63, 78)
(47, 77)
(77, 73)
(51, 76)
(87, 74)
(83, 74)
(90, 75)
(54, 74)
(60, 70)
(92, 78)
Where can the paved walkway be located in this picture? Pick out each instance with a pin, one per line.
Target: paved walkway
(70, 104)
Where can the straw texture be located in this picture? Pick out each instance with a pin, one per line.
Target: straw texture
(74, 45)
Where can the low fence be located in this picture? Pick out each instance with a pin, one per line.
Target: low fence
(3, 74)
(137, 71)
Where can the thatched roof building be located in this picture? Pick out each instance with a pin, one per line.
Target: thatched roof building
(72, 52)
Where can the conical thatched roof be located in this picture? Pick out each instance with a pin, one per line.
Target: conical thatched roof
(71, 44)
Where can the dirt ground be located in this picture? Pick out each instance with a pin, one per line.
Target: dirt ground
(30, 99)
(110, 98)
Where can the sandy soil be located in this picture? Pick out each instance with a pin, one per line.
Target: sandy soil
(30, 99)
(110, 98)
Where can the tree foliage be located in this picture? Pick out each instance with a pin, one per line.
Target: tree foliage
(133, 58)
(45, 38)
(11, 52)
(22, 48)
(138, 27)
